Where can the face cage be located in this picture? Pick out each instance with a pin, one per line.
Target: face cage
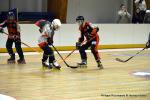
(80, 22)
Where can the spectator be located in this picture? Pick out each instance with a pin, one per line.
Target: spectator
(141, 4)
(147, 17)
(137, 18)
(123, 15)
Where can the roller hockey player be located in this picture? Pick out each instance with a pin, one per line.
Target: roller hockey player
(90, 33)
(13, 37)
(47, 31)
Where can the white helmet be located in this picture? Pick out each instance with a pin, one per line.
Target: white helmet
(56, 23)
(147, 11)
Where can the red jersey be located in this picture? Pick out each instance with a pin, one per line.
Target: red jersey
(12, 27)
(88, 31)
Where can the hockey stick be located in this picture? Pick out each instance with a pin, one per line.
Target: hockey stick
(76, 49)
(63, 58)
(120, 60)
(25, 44)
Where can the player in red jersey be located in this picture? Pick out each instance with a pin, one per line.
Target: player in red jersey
(13, 37)
(90, 33)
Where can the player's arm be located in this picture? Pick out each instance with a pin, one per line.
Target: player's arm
(45, 31)
(48, 33)
(80, 40)
(94, 29)
(50, 38)
(2, 25)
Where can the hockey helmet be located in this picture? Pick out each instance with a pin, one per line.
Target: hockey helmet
(80, 20)
(56, 23)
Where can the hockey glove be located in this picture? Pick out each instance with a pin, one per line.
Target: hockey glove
(78, 45)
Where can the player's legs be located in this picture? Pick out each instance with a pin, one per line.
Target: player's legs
(94, 50)
(9, 44)
(49, 53)
(20, 52)
(52, 60)
(45, 56)
(83, 54)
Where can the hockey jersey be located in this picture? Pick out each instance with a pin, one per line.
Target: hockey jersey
(88, 31)
(46, 31)
(13, 28)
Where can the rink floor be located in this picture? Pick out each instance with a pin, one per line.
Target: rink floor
(117, 81)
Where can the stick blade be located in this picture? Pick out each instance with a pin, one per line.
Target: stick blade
(120, 60)
(73, 67)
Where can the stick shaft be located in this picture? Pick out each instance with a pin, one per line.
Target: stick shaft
(25, 44)
(75, 49)
(60, 55)
(131, 56)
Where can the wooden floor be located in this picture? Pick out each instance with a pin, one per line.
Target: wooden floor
(115, 82)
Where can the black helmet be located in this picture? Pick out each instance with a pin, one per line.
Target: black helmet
(80, 18)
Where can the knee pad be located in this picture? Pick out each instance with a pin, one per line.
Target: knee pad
(93, 49)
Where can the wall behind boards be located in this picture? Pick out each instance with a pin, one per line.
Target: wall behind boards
(96, 11)
(24, 5)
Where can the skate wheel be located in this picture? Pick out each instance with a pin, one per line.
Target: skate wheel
(11, 62)
(21, 62)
